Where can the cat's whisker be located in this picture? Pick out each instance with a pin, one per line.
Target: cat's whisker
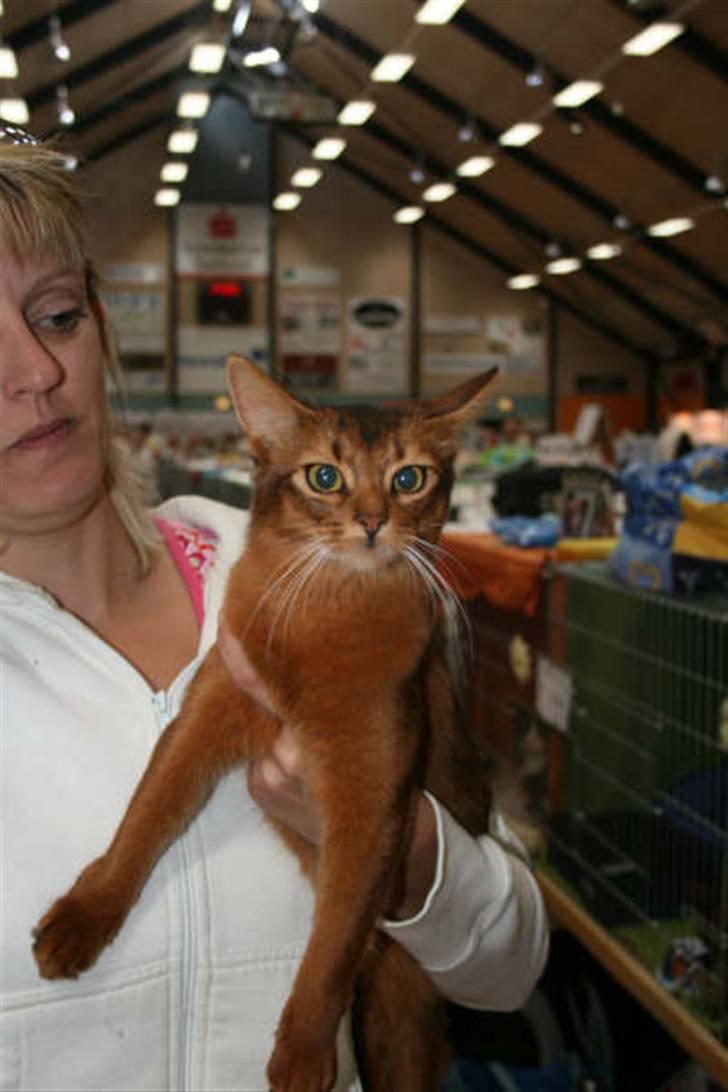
(287, 571)
(299, 580)
(442, 554)
(453, 609)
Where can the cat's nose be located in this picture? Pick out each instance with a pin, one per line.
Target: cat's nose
(371, 524)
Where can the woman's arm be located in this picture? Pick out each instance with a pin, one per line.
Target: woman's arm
(471, 914)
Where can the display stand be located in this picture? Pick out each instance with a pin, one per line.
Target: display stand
(630, 974)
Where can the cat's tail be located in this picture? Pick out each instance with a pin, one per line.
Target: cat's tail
(399, 1023)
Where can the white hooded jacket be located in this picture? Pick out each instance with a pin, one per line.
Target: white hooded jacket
(188, 995)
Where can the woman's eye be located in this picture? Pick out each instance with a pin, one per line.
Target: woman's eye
(62, 322)
(409, 479)
(324, 478)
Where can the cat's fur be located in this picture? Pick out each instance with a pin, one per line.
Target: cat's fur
(337, 603)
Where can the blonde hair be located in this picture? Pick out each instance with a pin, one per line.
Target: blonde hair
(41, 217)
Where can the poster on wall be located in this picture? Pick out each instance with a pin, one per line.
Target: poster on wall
(222, 239)
(461, 363)
(138, 319)
(203, 351)
(520, 340)
(376, 344)
(310, 336)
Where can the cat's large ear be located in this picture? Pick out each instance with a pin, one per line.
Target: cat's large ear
(461, 404)
(267, 412)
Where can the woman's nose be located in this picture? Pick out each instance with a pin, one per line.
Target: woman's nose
(27, 367)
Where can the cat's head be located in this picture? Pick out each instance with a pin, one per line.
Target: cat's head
(361, 484)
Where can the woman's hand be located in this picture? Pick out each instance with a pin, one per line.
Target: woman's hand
(277, 783)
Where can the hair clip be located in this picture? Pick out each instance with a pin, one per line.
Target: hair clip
(15, 134)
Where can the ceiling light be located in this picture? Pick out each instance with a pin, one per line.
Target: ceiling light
(311, 6)
(714, 184)
(329, 148)
(15, 111)
(8, 64)
(536, 77)
(675, 226)
(652, 38)
(622, 222)
(256, 58)
(439, 191)
(409, 214)
(174, 172)
(475, 166)
(523, 280)
(285, 202)
(193, 104)
(306, 177)
(59, 46)
(70, 162)
(182, 141)
(392, 67)
(577, 93)
(166, 198)
(222, 5)
(521, 133)
(207, 57)
(466, 132)
(242, 15)
(601, 252)
(66, 114)
(356, 112)
(437, 12)
(561, 266)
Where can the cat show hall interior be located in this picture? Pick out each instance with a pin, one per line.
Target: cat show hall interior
(364, 545)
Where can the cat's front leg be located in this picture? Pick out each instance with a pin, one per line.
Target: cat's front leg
(218, 727)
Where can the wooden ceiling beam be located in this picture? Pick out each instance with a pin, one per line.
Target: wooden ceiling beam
(691, 42)
(37, 30)
(528, 159)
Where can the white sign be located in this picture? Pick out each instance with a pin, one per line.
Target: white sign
(554, 691)
(451, 324)
(461, 363)
(310, 322)
(217, 240)
(203, 350)
(138, 319)
(519, 339)
(309, 276)
(134, 272)
(376, 344)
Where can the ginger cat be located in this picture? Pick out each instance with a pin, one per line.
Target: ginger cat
(339, 606)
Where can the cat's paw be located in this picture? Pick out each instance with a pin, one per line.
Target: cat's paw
(298, 1063)
(70, 936)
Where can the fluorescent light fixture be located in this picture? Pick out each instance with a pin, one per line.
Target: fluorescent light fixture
(207, 57)
(182, 141)
(409, 214)
(306, 177)
(14, 111)
(285, 202)
(522, 281)
(193, 104)
(521, 133)
(70, 162)
(166, 198)
(437, 12)
(393, 67)
(675, 226)
(602, 252)
(439, 191)
(8, 64)
(222, 5)
(257, 58)
(311, 6)
(561, 266)
(356, 112)
(174, 172)
(577, 93)
(652, 38)
(475, 166)
(329, 148)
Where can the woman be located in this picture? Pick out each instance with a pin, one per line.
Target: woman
(107, 612)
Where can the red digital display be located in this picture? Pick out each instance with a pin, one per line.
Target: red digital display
(229, 289)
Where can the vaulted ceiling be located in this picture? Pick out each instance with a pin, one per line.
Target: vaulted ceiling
(651, 145)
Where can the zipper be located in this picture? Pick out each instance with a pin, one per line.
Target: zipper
(162, 705)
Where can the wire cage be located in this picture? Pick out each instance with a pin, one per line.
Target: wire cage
(637, 814)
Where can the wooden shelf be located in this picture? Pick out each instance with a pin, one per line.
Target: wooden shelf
(626, 970)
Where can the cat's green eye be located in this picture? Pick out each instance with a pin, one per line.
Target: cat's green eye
(324, 478)
(409, 479)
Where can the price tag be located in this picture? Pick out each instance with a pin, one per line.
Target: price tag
(554, 691)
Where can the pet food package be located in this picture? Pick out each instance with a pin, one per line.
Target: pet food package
(675, 536)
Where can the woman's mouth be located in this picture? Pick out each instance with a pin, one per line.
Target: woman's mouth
(44, 436)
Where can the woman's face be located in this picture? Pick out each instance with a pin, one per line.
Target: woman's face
(52, 402)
